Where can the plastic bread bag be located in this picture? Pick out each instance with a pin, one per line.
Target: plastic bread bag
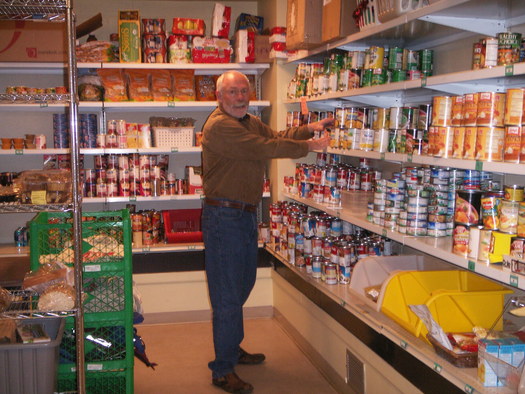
(48, 275)
(57, 297)
(433, 327)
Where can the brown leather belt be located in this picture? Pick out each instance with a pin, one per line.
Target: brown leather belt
(231, 204)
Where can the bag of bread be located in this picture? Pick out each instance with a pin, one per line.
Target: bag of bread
(47, 275)
(114, 84)
(183, 85)
(205, 87)
(139, 85)
(58, 297)
(161, 85)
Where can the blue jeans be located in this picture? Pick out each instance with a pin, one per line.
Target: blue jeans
(230, 240)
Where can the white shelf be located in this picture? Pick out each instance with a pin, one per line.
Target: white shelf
(178, 197)
(44, 107)
(100, 151)
(499, 167)
(354, 211)
(356, 305)
(132, 106)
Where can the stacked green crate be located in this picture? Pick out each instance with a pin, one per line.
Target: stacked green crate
(108, 298)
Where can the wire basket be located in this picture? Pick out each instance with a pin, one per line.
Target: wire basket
(366, 14)
(173, 137)
(390, 9)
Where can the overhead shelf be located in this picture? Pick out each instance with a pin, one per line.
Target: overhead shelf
(47, 10)
(441, 22)
(354, 211)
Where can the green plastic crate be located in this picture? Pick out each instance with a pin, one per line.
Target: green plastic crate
(108, 346)
(97, 382)
(106, 239)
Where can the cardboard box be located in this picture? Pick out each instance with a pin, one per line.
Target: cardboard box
(26, 41)
(244, 46)
(129, 36)
(303, 25)
(337, 19)
(262, 49)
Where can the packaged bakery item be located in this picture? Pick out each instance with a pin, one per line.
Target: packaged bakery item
(57, 297)
(44, 187)
(114, 84)
(139, 85)
(183, 85)
(161, 85)
(205, 87)
(90, 88)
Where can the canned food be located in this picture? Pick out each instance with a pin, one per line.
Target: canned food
(476, 55)
(441, 111)
(470, 109)
(489, 55)
(457, 110)
(514, 192)
(444, 142)
(508, 48)
(514, 107)
(460, 239)
(517, 247)
(490, 211)
(375, 57)
(512, 144)
(485, 238)
(508, 216)
(521, 219)
(426, 61)
(491, 109)
(489, 143)
(468, 207)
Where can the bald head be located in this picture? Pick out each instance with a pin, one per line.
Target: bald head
(233, 93)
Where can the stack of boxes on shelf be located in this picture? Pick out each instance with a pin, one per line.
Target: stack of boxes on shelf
(108, 301)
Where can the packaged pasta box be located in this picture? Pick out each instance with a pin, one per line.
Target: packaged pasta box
(129, 36)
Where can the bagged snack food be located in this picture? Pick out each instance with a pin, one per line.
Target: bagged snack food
(205, 87)
(95, 51)
(114, 85)
(161, 85)
(183, 85)
(139, 85)
(5, 299)
(90, 88)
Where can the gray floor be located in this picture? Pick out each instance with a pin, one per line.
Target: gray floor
(182, 352)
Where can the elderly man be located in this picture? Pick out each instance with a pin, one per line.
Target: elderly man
(235, 148)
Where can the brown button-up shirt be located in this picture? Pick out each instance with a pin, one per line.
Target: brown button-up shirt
(235, 151)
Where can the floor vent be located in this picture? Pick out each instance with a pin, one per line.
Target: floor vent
(355, 373)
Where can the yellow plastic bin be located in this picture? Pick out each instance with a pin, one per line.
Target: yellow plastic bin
(458, 300)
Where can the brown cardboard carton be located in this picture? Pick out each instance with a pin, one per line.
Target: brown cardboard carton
(262, 49)
(129, 36)
(303, 24)
(26, 41)
(337, 19)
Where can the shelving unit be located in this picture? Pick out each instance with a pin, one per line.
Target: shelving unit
(444, 23)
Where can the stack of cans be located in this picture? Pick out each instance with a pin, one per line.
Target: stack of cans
(88, 130)
(441, 207)
(154, 41)
(60, 131)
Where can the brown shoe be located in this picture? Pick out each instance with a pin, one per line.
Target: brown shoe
(231, 383)
(250, 359)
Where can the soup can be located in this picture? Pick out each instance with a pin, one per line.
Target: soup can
(508, 48)
(441, 111)
(512, 144)
(457, 110)
(424, 117)
(489, 143)
(458, 143)
(490, 203)
(490, 52)
(444, 142)
(469, 147)
(470, 109)
(514, 107)
(491, 109)
(485, 238)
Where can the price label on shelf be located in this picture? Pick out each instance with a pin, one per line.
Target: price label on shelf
(509, 70)
(174, 150)
(471, 265)
(479, 165)
(145, 249)
(382, 156)
(19, 151)
(384, 232)
(423, 81)
(192, 247)
(171, 104)
(133, 199)
(44, 105)
(514, 280)
(409, 157)
(469, 389)
(403, 344)
(94, 367)
(438, 368)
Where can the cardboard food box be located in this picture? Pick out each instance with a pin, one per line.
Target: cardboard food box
(211, 50)
(303, 25)
(220, 22)
(26, 41)
(244, 46)
(262, 49)
(337, 19)
(129, 36)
